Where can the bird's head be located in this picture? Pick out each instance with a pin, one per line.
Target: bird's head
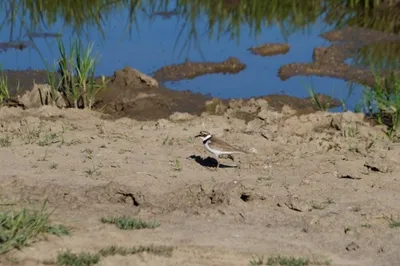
(203, 135)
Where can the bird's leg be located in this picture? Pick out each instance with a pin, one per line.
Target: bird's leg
(217, 159)
(229, 156)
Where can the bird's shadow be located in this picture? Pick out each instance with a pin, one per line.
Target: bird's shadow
(209, 162)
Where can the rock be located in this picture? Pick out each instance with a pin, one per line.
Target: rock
(254, 126)
(270, 117)
(267, 134)
(298, 205)
(178, 117)
(252, 101)
(288, 111)
(131, 77)
(377, 164)
(349, 169)
(353, 117)
(233, 104)
(41, 95)
(262, 103)
(304, 129)
(295, 126)
(346, 119)
(263, 114)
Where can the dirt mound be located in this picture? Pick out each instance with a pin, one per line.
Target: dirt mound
(330, 61)
(190, 70)
(207, 195)
(269, 49)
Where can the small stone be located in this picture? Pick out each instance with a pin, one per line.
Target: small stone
(254, 126)
(348, 169)
(304, 129)
(253, 150)
(287, 110)
(352, 246)
(377, 164)
(252, 101)
(162, 123)
(235, 104)
(264, 114)
(262, 103)
(295, 204)
(267, 134)
(41, 95)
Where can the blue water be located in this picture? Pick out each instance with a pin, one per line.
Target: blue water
(150, 45)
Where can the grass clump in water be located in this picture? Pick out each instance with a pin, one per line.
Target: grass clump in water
(129, 223)
(382, 102)
(4, 92)
(75, 76)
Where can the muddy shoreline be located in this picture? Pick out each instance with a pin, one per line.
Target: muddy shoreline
(128, 97)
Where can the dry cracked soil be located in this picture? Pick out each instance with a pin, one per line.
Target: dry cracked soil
(323, 186)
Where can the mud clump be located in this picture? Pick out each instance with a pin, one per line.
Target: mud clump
(41, 95)
(330, 62)
(269, 49)
(133, 78)
(191, 70)
(18, 45)
(136, 95)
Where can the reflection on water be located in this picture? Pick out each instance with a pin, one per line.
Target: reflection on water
(150, 34)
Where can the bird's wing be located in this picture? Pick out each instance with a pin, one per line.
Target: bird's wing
(225, 145)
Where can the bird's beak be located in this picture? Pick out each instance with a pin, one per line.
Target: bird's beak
(198, 135)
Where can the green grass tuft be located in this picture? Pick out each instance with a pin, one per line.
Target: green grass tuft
(129, 223)
(68, 258)
(289, 261)
(82, 259)
(382, 102)
(76, 76)
(394, 224)
(285, 261)
(157, 250)
(19, 229)
(4, 91)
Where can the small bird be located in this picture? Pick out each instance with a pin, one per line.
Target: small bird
(218, 147)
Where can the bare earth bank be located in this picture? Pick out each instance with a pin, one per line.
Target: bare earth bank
(322, 186)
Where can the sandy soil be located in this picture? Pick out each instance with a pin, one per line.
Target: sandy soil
(322, 186)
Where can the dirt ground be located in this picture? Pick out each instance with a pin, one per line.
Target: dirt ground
(322, 186)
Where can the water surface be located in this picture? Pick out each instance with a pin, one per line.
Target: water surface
(152, 41)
